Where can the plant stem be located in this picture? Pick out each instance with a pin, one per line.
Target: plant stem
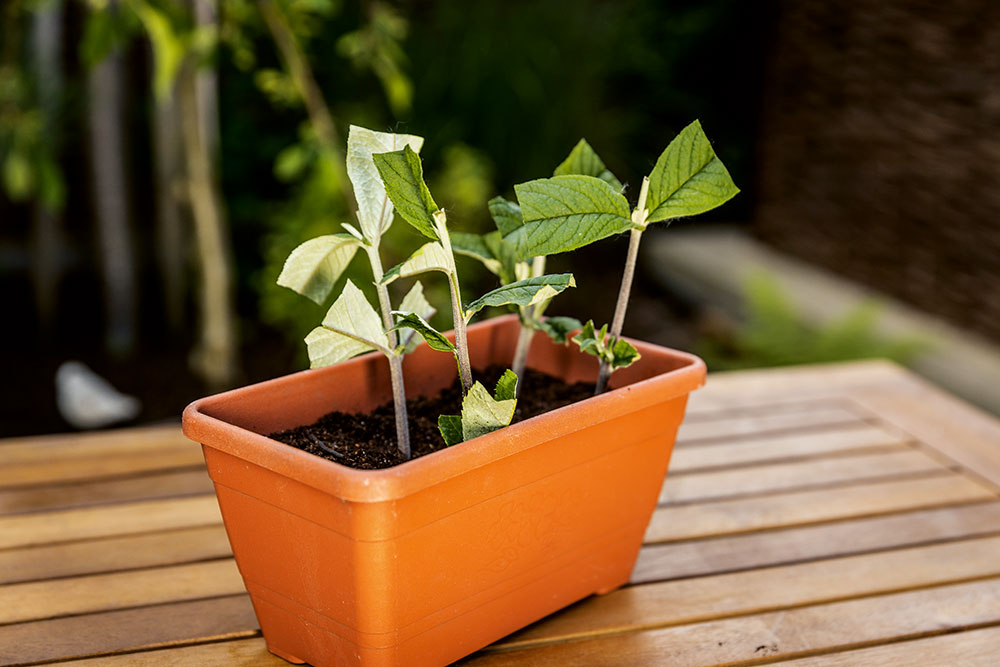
(639, 218)
(527, 333)
(395, 361)
(457, 311)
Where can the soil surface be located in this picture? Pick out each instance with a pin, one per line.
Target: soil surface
(368, 441)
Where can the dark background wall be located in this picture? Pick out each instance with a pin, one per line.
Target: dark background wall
(880, 148)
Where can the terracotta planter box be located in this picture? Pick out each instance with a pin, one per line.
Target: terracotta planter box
(426, 562)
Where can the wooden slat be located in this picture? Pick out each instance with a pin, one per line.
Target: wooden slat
(690, 487)
(131, 629)
(803, 507)
(40, 449)
(235, 652)
(660, 562)
(742, 425)
(972, 648)
(709, 598)
(790, 632)
(107, 521)
(189, 481)
(698, 412)
(847, 439)
(172, 547)
(106, 592)
(965, 433)
(71, 469)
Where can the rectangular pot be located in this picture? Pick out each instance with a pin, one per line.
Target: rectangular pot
(426, 562)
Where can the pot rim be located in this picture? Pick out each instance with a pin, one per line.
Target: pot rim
(385, 484)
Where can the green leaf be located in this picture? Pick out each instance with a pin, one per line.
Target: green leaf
(566, 212)
(18, 176)
(506, 388)
(523, 292)
(403, 176)
(559, 328)
(482, 414)
(583, 160)
(618, 353)
(623, 354)
(451, 429)
(474, 245)
(428, 257)
(414, 302)
(688, 178)
(374, 206)
(313, 268)
(168, 47)
(509, 268)
(506, 214)
(591, 341)
(350, 327)
(435, 339)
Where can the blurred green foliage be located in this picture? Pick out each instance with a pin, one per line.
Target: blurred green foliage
(502, 90)
(773, 334)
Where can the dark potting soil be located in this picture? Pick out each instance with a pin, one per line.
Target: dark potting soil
(368, 441)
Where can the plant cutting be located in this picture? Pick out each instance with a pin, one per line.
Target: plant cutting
(425, 562)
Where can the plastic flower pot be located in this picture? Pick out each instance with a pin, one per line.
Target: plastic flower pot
(428, 561)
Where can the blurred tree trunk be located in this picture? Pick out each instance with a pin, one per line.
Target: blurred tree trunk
(169, 175)
(46, 47)
(215, 357)
(107, 152)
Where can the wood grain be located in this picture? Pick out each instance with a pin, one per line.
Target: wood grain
(803, 507)
(742, 425)
(170, 547)
(189, 481)
(118, 590)
(107, 521)
(776, 477)
(127, 630)
(660, 562)
(235, 652)
(974, 648)
(754, 591)
(789, 632)
(796, 445)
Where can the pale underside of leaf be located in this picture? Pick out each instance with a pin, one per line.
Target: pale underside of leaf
(525, 292)
(374, 207)
(350, 317)
(584, 160)
(563, 213)
(414, 302)
(313, 268)
(482, 414)
(688, 178)
(428, 257)
(326, 347)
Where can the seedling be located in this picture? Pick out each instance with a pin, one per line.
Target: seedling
(352, 326)
(580, 204)
(402, 175)
(500, 257)
(566, 212)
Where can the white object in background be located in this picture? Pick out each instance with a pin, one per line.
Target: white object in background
(86, 400)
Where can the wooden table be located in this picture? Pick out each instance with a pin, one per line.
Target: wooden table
(826, 515)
